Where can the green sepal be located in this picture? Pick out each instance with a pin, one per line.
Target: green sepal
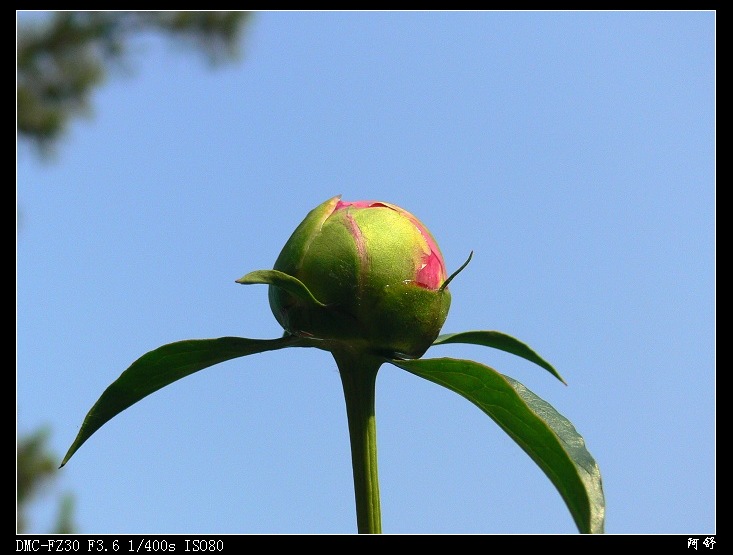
(163, 366)
(282, 280)
(543, 433)
(458, 271)
(501, 341)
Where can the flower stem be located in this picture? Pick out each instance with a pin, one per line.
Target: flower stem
(358, 376)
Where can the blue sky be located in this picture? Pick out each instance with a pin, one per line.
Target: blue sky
(573, 152)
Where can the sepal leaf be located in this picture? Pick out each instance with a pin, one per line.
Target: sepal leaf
(163, 366)
(282, 280)
(544, 434)
(501, 341)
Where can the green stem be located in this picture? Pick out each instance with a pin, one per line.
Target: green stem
(358, 376)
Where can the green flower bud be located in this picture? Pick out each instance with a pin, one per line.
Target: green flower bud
(377, 272)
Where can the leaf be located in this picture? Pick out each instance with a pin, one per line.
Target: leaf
(501, 341)
(544, 434)
(282, 280)
(163, 366)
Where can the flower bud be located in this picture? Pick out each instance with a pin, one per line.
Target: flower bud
(377, 272)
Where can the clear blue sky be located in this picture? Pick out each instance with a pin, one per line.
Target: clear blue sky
(573, 152)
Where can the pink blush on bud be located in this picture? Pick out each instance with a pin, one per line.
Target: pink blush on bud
(340, 205)
(432, 274)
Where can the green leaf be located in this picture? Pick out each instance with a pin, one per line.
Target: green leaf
(500, 341)
(547, 436)
(163, 366)
(282, 280)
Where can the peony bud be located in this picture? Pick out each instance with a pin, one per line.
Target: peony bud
(377, 272)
